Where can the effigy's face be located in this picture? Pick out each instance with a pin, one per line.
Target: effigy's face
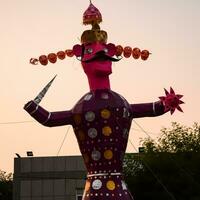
(97, 59)
(98, 68)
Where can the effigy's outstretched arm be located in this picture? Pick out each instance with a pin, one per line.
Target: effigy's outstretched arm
(147, 109)
(46, 118)
(170, 102)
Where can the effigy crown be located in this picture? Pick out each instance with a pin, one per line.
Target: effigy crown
(93, 16)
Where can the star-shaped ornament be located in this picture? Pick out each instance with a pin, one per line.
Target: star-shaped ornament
(171, 101)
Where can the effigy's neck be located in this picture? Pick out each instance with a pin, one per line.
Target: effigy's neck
(98, 82)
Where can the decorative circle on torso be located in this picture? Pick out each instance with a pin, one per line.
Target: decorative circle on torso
(108, 154)
(90, 116)
(97, 184)
(106, 130)
(81, 135)
(96, 155)
(92, 133)
(77, 119)
(105, 114)
(110, 185)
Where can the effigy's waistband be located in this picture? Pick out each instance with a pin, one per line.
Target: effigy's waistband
(105, 174)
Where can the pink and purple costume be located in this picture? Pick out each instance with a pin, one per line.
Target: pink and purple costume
(101, 119)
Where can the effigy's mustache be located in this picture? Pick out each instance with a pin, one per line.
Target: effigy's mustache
(102, 57)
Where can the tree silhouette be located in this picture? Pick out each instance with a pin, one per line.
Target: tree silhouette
(169, 168)
(6, 181)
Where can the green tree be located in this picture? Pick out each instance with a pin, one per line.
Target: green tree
(6, 180)
(178, 138)
(169, 168)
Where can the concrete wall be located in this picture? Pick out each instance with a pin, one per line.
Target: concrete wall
(48, 178)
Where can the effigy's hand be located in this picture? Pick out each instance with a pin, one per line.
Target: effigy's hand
(30, 106)
(171, 101)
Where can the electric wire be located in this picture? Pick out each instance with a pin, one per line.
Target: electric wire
(63, 140)
(23, 122)
(189, 174)
(141, 128)
(154, 175)
(17, 122)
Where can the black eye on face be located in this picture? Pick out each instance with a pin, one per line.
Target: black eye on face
(88, 51)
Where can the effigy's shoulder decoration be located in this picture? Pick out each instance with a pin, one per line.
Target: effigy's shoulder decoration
(102, 118)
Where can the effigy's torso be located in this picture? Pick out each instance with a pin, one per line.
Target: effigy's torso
(101, 122)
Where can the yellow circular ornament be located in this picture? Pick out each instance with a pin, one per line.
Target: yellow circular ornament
(86, 158)
(106, 130)
(77, 119)
(105, 114)
(81, 135)
(110, 185)
(108, 154)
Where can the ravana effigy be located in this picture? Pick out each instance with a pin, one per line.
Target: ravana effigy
(102, 118)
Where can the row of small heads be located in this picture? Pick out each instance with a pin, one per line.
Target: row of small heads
(120, 51)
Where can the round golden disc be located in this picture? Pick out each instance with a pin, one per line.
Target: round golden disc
(108, 154)
(110, 185)
(77, 119)
(86, 158)
(106, 130)
(81, 135)
(105, 114)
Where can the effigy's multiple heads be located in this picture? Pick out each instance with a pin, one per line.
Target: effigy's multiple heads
(94, 49)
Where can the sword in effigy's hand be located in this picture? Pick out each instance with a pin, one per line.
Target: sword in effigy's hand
(40, 96)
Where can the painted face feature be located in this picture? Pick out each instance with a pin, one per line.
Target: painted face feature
(96, 58)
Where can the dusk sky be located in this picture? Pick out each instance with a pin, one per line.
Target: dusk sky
(169, 29)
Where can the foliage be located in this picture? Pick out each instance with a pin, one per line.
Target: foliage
(131, 164)
(6, 181)
(178, 138)
(166, 176)
(169, 169)
(4, 177)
